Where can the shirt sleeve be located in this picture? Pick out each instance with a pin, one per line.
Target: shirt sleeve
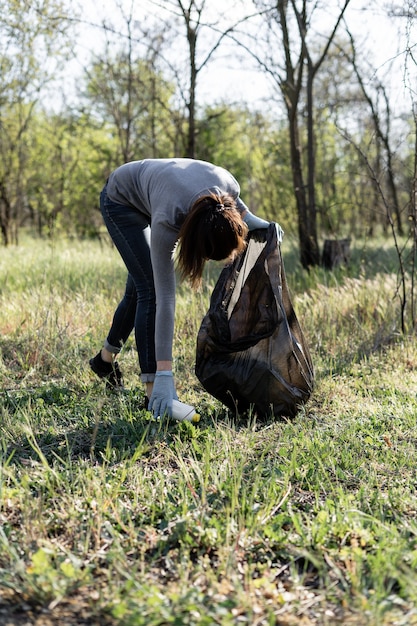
(240, 205)
(163, 241)
(252, 221)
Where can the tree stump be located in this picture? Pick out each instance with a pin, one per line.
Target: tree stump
(335, 252)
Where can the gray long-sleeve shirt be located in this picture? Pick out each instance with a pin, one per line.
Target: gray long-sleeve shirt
(164, 190)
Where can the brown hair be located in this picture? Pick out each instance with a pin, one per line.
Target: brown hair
(213, 229)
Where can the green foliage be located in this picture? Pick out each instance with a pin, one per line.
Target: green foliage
(133, 99)
(33, 42)
(54, 164)
(30, 34)
(76, 158)
(251, 146)
(111, 517)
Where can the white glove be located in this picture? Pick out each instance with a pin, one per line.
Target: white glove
(163, 393)
(253, 222)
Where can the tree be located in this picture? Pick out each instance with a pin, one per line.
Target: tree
(408, 10)
(346, 196)
(256, 151)
(32, 42)
(74, 157)
(382, 128)
(197, 32)
(133, 102)
(288, 26)
(129, 93)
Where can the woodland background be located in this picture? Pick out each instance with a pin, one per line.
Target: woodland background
(325, 144)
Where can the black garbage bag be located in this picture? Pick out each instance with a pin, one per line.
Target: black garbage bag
(251, 352)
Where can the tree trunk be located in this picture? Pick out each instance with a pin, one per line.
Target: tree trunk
(5, 212)
(310, 255)
(300, 193)
(335, 252)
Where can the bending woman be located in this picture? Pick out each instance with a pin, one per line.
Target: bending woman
(149, 207)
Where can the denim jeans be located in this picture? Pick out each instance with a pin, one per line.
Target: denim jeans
(130, 232)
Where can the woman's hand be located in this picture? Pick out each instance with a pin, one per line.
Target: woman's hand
(163, 392)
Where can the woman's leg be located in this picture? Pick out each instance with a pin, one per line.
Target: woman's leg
(123, 321)
(104, 364)
(130, 233)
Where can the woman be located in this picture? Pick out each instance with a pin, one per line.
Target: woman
(148, 207)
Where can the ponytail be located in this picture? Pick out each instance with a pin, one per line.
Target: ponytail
(213, 229)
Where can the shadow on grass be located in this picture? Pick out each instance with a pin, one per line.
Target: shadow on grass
(55, 422)
(58, 422)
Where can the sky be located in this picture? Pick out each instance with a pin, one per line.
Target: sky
(382, 39)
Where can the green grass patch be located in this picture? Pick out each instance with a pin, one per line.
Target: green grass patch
(109, 517)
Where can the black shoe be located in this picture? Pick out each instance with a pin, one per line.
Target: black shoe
(109, 371)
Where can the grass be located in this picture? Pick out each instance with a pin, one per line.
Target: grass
(108, 517)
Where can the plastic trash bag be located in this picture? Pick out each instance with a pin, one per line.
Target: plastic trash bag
(251, 353)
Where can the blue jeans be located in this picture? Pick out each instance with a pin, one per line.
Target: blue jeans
(130, 232)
